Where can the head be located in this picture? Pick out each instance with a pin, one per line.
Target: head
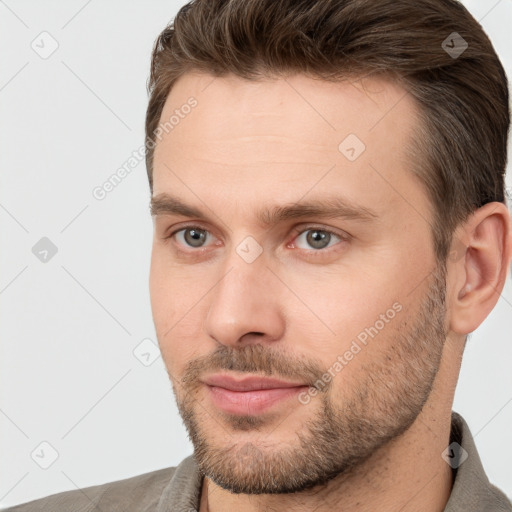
(329, 209)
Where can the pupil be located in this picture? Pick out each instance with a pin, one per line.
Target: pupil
(193, 236)
(316, 238)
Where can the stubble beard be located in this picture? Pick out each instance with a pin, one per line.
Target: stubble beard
(342, 432)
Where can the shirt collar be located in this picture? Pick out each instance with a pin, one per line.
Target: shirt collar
(471, 491)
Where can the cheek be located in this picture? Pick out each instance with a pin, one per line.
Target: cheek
(181, 340)
(334, 308)
(177, 351)
(158, 289)
(168, 289)
(176, 313)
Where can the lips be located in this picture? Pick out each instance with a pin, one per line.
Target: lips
(248, 383)
(250, 395)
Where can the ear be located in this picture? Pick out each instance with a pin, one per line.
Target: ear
(478, 266)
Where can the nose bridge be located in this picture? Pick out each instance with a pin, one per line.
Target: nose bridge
(243, 300)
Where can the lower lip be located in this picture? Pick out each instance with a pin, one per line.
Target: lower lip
(250, 402)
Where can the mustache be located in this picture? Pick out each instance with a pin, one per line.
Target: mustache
(254, 358)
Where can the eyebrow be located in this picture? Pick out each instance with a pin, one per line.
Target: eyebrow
(328, 208)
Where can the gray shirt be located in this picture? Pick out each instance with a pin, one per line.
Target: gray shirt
(178, 489)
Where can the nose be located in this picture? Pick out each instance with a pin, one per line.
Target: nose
(245, 304)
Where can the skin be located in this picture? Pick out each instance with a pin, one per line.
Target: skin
(372, 439)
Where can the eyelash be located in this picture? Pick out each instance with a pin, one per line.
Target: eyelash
(314, 253)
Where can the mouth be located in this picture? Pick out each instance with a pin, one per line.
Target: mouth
(250, 395)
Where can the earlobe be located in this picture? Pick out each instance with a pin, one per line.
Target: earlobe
(481, 271)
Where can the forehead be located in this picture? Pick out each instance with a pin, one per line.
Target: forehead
(287, 133)
(231, 103)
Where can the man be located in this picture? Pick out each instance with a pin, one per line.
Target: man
(327, 182)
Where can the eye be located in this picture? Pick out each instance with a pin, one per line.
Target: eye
(317, 238)
(312, 239)
(192, 236)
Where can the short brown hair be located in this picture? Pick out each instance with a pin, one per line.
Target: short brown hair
(459, 150)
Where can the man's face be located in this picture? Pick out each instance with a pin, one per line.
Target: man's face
(348, 306)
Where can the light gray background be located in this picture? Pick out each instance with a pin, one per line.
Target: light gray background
(69, 327)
